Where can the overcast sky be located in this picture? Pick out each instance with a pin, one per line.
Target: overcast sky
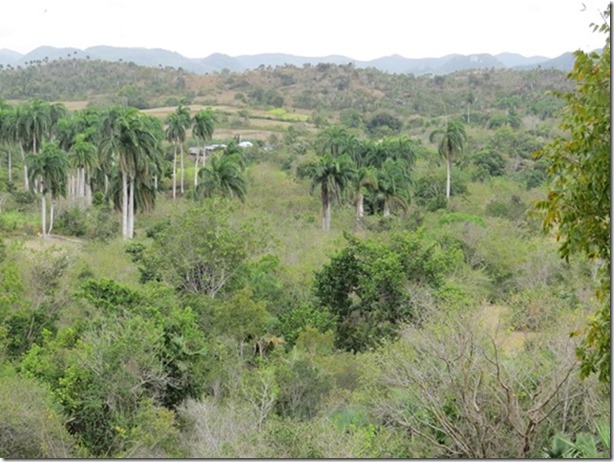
(359, 29)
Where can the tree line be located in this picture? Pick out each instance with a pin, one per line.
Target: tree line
(117, 152)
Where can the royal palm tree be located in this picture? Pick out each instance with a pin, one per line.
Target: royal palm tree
(132, 142)
(332, 175)
(393, 183)
(6, 135)
(37, 123)
(364, 179)
(451, 144)
(176, 125)
(202, 129)
(365, 176)
(83, 156)
(335, 141)
(233, 150)
(222, 176)
(21, 137)
(49, 170)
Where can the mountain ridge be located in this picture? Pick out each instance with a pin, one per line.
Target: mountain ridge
(216, 62)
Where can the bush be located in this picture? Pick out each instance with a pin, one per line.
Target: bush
(31, 427)
(12, 221)
(72, 222)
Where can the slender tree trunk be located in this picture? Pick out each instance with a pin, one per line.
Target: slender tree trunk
(131, 209)
(174, 172)
(182, 168)
(82, 182)
(51, 210)
(125, 205)
(360, 208)
(449, 173)
(106, 184)
(386, 208)
(26, 182)
(88, 190)
(325, 210)
(44, 215)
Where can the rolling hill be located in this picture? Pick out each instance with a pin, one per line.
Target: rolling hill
(157, 57)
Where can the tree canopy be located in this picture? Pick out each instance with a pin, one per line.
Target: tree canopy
(579, 190)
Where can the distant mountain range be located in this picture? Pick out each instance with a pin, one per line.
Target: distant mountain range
(216, 62)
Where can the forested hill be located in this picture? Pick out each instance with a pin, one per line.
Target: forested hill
(216, 62)
(319, 87)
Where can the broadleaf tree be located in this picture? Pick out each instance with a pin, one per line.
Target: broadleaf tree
(578, 204)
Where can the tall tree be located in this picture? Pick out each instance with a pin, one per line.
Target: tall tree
(451, 145)
(37, 122)
(335, 141)
(83, 157)
(135, 140)
(332, 176)
(21, 136)
(7, 135)
(222, 176)
(202, 128)
(393, 183)
(365, 177)
(176, 125)
(578, 204)
(49, 170)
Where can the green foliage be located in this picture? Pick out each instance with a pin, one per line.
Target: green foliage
(101, 391)
(201, 251)
(295, 320)
(579, 188)
(584, 445)
(303, 386)
(429, 191)
(362, 287)
(31, 425)
(383, 123)
(242, 318)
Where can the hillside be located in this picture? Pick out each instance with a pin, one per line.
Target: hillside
(298, 260)
(217, 62)
(317, 88)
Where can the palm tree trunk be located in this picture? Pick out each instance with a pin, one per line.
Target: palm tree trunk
(88, 190)
(449, 173)
(82, 181)
(360, 208)
(182, 169)
(125, 205)
(386, 208)
(44, 215)
(131, 209)
(325, 210)
(26, 183)
(51, 209)
(174, 172)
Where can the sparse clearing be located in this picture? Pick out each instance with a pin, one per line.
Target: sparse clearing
(494, 319)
